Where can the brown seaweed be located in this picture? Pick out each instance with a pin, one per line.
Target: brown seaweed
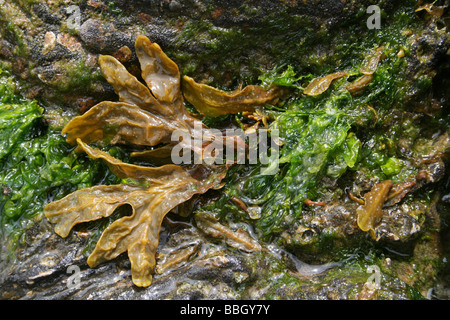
(239, 238)
(213, 102)
(165, 188)
(320, 85)
(144, 116)
(370, 64)
(359, 84)
(371, 212)
(436, 11)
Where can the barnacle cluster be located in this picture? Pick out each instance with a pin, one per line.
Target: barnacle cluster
(145, 116)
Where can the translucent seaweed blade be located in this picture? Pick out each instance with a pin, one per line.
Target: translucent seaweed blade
(160, 175)
(159, 72)
(127, 86)
(86, 205)
(213, 102)
(118, 122)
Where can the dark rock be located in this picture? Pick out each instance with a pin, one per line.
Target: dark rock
(100, 37)
(44, 13)
(56, 37)
(55, 49)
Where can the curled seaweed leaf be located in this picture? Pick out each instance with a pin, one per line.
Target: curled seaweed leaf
(368, 68)
(126, 170)
(239, 239)
(173, 259)
(399, 191)
(320, 85)
(119, 122)
(213, 102)
(159, 72)
(359, 84)
(129, 89)
(370, 64)
(138, 234)
(157, 156)
(432, 9)
(87, 205)
(371, 212)
(144, 116)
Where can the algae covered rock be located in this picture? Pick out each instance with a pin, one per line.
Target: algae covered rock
(358, 205)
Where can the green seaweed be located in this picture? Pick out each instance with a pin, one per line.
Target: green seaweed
(36, 163)
(330, 134)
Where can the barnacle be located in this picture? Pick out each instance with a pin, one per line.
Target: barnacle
(144, 116)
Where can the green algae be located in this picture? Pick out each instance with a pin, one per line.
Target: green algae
(36, 164)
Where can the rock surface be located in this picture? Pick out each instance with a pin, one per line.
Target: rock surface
(49, 267)
(53, 46)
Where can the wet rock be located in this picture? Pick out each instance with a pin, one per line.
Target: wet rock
(55, 45)
(49, 35)
(53, 268)
(50, 267)
(43, 11)
(100, 37)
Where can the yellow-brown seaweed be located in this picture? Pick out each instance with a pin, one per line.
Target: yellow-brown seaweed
(213, 102)
(320, 85)
(371, 212)
(359, 84)
(432, 9)
(370, 64)
(165, 188)
(145, 116)
(239, 239)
